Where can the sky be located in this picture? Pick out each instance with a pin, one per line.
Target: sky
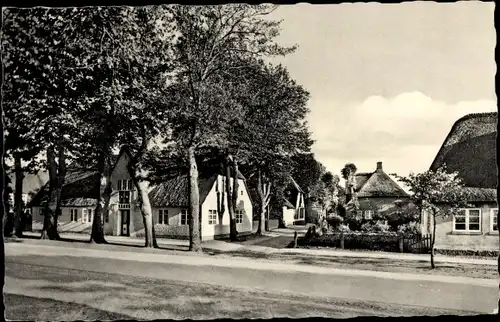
(387, 81)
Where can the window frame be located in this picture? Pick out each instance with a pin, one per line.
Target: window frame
(467, 221)
(238, 216)
(492, 216)
(124, 185)
(184, 213)
(73, 214)
(213, 218)
(163, 216)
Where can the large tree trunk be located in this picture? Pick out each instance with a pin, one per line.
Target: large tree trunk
(49, 230)
(194, 203)
(97, 233)
(235, 195)
(220, 200)
(433, 239)
(18, 197)
(8, 219)
(147, 214)
(230, 203)
(264, 191)
(145, 205)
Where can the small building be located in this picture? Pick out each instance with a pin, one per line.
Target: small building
(293, 204)
(470, 150)
(170, 203)
(378, 192)
(78, 201)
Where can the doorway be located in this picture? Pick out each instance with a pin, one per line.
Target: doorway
(125, 222)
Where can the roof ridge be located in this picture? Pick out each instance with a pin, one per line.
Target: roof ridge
(474, 115)
(382, 172)
(454, 128)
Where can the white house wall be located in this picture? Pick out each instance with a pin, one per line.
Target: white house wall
(446, 238)
(243, 203)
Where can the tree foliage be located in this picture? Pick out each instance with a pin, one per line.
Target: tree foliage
(438, 193)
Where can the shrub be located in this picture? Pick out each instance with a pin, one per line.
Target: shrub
(375, 226)
(411, 228)
(343, 228)
(334, 221)
(354, 240)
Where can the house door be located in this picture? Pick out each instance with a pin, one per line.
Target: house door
(125, 220)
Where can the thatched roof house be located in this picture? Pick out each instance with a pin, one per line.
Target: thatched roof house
(470, 150)
(174, 191)
(377, 184)
(79, 190)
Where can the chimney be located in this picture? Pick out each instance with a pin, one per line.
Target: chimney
(379, 166)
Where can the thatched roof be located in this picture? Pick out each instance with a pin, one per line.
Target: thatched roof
(470, 150)
(377, 184)
(174, 192)
(480, 194)
(79, 189)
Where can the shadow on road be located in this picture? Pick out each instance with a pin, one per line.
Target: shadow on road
(52, 310)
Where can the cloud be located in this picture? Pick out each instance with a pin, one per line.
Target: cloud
(405, 131)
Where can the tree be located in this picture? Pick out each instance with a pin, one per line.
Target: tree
(121, 91)
(348, 173)
(92, 69)
(44, 99)
(210, 39)
(276, 130)
(437, 193)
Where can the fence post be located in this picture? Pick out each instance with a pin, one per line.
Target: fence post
(401, 243)
(341, 241)
(295, 240)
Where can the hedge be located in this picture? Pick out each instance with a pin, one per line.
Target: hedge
(468, 252)
(389, 242)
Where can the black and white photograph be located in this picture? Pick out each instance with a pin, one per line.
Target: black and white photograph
(249, 161)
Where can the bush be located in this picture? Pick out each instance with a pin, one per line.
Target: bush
(343, 228)
(375, 226)
(334, 221)
(411, 228)
(353, 240)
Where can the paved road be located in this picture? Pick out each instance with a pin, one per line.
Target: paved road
(472, 295)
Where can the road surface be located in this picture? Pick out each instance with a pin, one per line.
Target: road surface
(150, 286)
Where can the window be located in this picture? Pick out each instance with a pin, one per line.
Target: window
(124, 197)
(212, 217)
(242, 192)
(368, 214)
(494, 220)
(87, 215)
(184, 217)
(239, 216)
(73, 214)
(299, 214)
(163, 217)
(467, 220)
(124, 185)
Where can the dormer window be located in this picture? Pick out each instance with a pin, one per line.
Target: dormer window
(124, 185)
